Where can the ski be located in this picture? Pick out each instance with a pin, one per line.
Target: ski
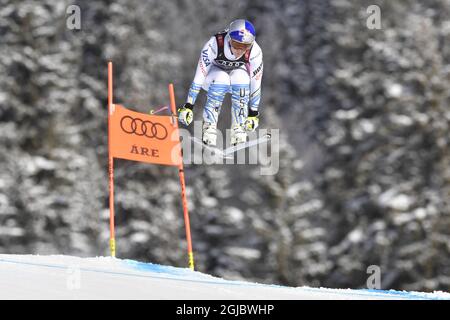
(248, 144)
(227, 153)
(215, 151)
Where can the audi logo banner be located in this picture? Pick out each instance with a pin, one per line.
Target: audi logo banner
(140, 127)
(142, 137)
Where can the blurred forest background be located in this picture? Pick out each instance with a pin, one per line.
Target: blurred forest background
(363, 115)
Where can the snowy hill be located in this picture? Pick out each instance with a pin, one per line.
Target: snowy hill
(66, 277)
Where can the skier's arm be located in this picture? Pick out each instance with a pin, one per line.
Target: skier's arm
(204, 64)
(256, 69)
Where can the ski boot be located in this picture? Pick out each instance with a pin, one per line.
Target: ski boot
(209, 134)
(238, 135)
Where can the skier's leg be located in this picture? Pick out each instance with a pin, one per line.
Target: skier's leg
(218, 82)
(240, 90)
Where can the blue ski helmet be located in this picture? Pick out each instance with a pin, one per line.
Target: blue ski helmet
(242, 31)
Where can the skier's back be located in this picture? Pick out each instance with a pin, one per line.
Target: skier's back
(231, 61)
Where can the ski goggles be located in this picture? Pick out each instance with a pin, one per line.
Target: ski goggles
(240, 46)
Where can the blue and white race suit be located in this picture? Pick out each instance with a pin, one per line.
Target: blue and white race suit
(220, 72)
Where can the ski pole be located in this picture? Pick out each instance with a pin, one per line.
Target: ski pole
(161, 108)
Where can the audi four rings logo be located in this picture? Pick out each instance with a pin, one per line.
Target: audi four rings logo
(145, 128)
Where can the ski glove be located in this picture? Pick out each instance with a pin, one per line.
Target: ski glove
(185, 114)
(252, 121)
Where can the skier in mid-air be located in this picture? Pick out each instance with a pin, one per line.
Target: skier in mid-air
(231, 61)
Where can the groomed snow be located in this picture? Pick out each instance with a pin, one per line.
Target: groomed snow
(66, 277)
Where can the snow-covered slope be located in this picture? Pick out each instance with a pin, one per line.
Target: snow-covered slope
(66, 277)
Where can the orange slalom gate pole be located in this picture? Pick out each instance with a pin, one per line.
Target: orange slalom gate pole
(183, 187)
(112, 240)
